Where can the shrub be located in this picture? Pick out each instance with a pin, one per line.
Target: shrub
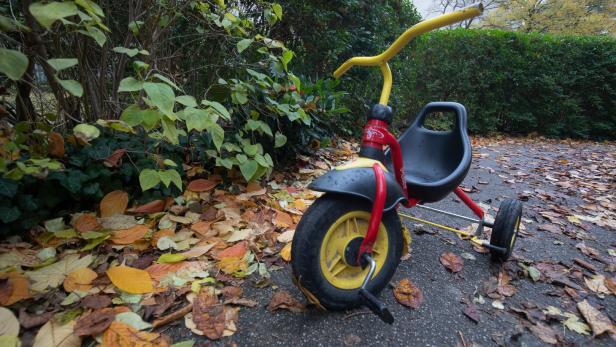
(559, 86)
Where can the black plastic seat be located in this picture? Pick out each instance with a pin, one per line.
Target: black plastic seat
(435, 162)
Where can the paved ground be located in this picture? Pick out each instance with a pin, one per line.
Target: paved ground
(440, 320)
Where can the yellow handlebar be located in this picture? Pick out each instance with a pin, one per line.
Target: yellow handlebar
(416, 30)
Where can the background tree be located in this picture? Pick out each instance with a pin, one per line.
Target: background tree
(582, 17)
(445, 6)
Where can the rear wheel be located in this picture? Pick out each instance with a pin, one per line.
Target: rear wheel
(325, 245)
(505, 230)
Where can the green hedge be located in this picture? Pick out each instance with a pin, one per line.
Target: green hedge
(512, 82)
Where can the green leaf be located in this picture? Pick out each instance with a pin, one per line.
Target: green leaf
(196, 118)
(8, 188)
(170, 176)
(130, 84)
(279, 140)
(9, 214)
(248, 169)
(186, 343)
(148, 179)
(13, 63)
(218, 134)
(162, 96)
(171, 258)
(96, 34)
(47, 14)
(131, 52)
(170, 131)
(243, 44)
(169, 162)
(227, 163)
(86, 132)
(286, 57)
(166, 80)
(187, 100)
(71, 86)
(60, 64)
(219, 108)
(91, 7)
(132, 319)
(277, 10)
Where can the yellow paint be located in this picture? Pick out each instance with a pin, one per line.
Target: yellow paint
(444, 227)
(360, 162)
(416, 30)
(346, 228)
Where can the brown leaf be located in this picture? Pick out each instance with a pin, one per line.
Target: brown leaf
(553, 228)
(237, 251)
(28, 321)
(452, 262)
(241, 302)
(408, 294)
(19, 288)
(151, 207)
(123, 335)
(599, 322)
(201, 185)
(544, 333)
(283, 300)
(209, 314)
(471, 312)
(283, 219)
(229, 292)
(79, 279)
(130, 235)
(56, 145)
(201, 227)
(94, 323)
(113, 203)
(610, 284)
(504, 288)
(86, 222)
(95, 301)
(115, 159)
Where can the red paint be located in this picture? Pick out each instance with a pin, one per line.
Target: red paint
(469, 202)
(377, 212)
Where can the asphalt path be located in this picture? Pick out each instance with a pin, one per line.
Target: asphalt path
(440, 320)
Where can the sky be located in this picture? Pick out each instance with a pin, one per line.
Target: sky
(423, 7)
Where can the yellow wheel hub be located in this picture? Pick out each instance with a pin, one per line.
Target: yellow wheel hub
(517, 226)
(333, 264)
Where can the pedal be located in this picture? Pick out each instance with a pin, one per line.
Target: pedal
(372, 302)
(376, 306)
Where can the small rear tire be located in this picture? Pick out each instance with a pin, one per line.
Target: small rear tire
(506, 226)
(324, 245)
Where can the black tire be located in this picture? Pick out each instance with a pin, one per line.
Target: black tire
(505, 230)
(305, 252)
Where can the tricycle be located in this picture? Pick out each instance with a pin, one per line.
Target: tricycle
(349, 242)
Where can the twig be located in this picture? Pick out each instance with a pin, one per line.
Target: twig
(350, 315)
(172, 316)
(462, 339)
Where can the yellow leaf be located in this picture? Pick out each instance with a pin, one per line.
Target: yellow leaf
(19, 285)
(233, 266)
(122, 334)
(114, 203)
(79, 279)
(171, 258)
(131, 280)
(285, 252)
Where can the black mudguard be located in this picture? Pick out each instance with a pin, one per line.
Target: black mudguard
(359, 182)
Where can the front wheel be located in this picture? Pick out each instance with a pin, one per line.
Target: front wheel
(506, 225)
(325, 243)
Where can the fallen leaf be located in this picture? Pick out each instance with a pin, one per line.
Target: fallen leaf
(233, 265)
(238, 250)
(171, 258)
(53, 275)
(544, 333)
(202, 227)
(599, 322)
(113, 203)
(151, 207)
(452, 261)
(471, 312)
(115, 159)
(123, 335)
(29, 321)
(18, 288)
(285, 252)
(132, 319)
(408, 294)
(282, 300)
(94, 323)
(574, 323)
(86, 222)
(504, 288)
(57, 335)
(241, 302)
(130, 235)
(286, 236)
(597, 284)
(283, 220)
(9, 325)
(95, 301)
(56, 145)
(79, 279)
(201, 185)
(210, 316)
(131, 280)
